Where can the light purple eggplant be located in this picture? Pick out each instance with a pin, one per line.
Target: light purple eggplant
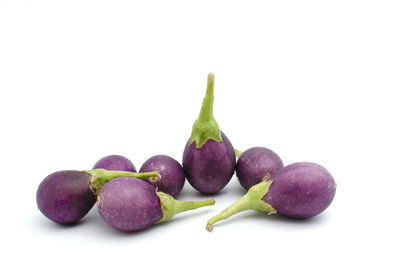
(300, 190)
(173, 176)
(66, 196)
(209, 158)
(129, 204)
(254, 164)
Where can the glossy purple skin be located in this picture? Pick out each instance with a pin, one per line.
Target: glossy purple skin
(172, 175)
(115, 162)
(301, 190)
(64, 196)
(129, 204)
(211, 167)
(254, 164)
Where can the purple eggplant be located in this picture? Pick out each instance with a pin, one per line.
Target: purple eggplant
(300, 190)
(115, 162)
(209, 158)
(129, 204)
(173, 177)
(254, 164)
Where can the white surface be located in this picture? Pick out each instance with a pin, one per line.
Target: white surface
(312, 80)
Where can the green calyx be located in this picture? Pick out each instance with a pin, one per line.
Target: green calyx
(252, 200)
(170, 206)
(206, 127)
(102, 176)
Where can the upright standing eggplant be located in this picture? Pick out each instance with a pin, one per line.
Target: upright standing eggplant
(209, 158)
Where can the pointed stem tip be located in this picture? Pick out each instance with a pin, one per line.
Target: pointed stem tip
(210, 78)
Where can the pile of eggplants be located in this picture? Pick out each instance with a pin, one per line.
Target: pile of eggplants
(128, 200)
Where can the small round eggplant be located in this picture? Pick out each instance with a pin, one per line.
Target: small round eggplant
(115, 162)
(300, 190)
(129, 204)
(173, 177)
(254, 164)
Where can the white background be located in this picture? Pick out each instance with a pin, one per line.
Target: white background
(312, 80)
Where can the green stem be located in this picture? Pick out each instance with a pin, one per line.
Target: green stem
(206, 112)
(170, 206)
(102, 176)
(252, 200)
(238, 153)
(206, 127)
